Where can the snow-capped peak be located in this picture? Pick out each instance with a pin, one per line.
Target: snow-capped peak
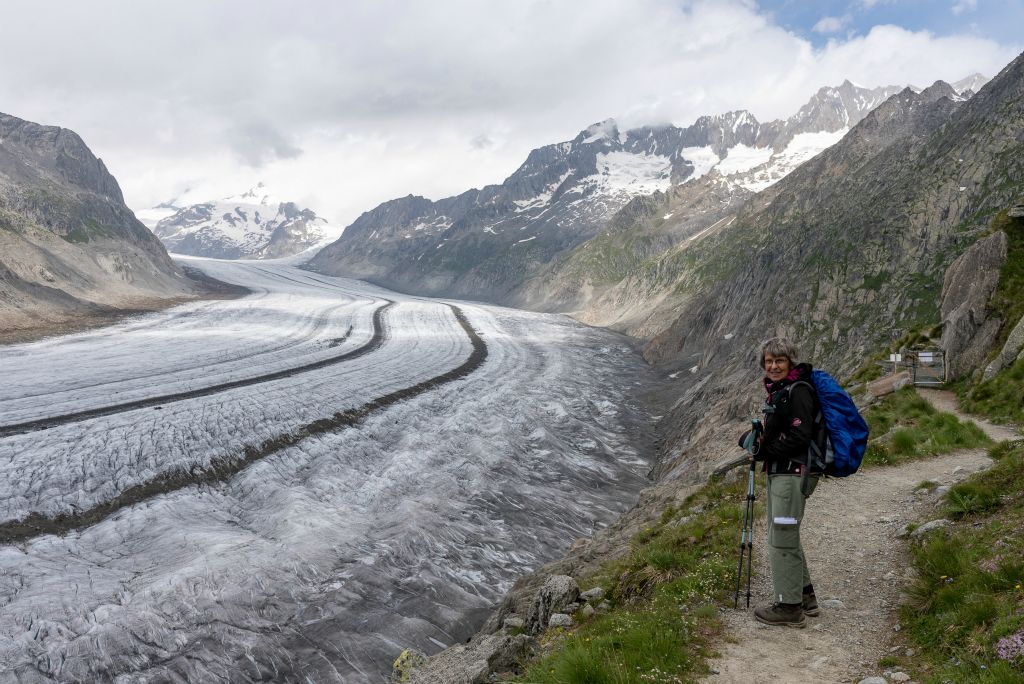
(973, 83)
(605, 130)
(255, 195)
(253, 224)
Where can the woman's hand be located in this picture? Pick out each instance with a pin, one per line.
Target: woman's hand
(751, 442)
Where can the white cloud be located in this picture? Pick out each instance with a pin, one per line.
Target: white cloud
(830, 24)
(961, 6)
(344, 105)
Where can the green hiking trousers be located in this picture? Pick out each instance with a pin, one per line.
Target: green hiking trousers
(785, 513)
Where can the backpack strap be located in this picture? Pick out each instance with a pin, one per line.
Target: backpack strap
(814, 452)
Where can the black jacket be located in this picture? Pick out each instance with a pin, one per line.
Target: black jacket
(788, 422)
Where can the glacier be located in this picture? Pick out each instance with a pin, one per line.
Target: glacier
(325, 556)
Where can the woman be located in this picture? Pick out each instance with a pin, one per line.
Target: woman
(789, 412)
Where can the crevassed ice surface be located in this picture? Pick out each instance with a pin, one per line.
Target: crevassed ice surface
(323, 560)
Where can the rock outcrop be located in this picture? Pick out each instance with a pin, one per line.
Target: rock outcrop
(500, 649)
(557, 594)
(969, 327)
(1013, 350)
(471, 663)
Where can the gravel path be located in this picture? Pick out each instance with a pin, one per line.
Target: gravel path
(859, 566)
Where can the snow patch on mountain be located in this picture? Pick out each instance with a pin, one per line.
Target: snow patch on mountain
(637, 174)
(743, 158)
(543, 198)
(703, 159)
(804, 146)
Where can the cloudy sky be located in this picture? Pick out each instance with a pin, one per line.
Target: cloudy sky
(342, 104)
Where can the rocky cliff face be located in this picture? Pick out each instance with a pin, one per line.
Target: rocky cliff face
(488, 243)
(969, 328)
(252, 225)
(69, 247)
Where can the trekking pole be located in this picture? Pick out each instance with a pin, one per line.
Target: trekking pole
(746, 538)
(750, 525)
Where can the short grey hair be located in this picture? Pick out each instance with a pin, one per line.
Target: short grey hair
(780, 346)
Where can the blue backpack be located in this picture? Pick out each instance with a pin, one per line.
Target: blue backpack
(840, 433)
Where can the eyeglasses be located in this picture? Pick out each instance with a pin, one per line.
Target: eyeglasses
(776, 361)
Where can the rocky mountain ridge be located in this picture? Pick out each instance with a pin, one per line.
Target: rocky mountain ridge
(486, 243)
(69, 247)
(620, 278)
(252, 225)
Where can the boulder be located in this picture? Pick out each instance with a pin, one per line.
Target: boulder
(888, 384)
(513, 622)
(560, 620)
(592, 595)
(1016, 211)
(473, 663)
(554, 597)
(969, 330)
(929, 526)
(406, 664)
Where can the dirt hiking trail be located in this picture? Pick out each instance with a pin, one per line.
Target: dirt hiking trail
(859, 565)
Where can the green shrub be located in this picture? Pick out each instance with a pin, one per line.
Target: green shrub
(904, 441)
(1002, 449)
(972, 497)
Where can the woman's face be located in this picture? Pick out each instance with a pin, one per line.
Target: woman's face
(776, 367)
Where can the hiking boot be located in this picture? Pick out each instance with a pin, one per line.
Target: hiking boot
(810, 605)
(782, 615)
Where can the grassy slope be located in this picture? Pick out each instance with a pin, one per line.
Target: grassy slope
(664, 614)
(966, 608)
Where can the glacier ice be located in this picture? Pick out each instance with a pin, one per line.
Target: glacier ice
(325, 559)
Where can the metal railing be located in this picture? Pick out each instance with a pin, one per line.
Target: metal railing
(927, 367)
